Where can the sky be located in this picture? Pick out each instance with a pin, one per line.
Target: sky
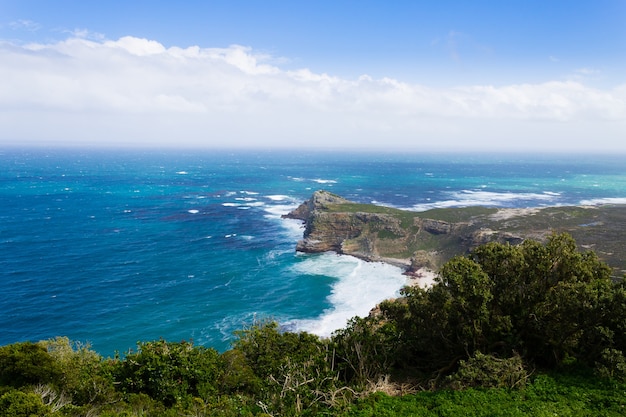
(414, 75)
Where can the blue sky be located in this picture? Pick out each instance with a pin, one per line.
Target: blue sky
(503, 75)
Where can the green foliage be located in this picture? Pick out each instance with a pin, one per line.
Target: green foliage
(238, 376)
(616, 321)
(85, 376)
(463, 294)
(267, 349)
(22, 404)
(135, 405)
(547, 396)
(294, 370)
(612, 365)
(365, 349)
(26, 363)
(488, 371)
(446, 323)
(547, 302)
(169, 371)
(555, 298)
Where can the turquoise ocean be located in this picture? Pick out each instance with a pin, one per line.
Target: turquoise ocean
(111, 247)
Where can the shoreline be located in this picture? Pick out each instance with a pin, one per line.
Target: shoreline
(422, 277)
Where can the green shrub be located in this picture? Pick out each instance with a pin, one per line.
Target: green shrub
(612, 365)
(487, 371)
(238, 376)
(267, 350)
(27, 363)
(85, 376)
(169, 372)
(294, 369)
(22, 404)
(365, 350)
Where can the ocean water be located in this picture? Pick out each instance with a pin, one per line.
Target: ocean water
(113, 247)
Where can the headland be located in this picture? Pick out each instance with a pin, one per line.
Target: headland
(419, 241)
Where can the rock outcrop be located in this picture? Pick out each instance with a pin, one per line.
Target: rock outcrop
(415, 240)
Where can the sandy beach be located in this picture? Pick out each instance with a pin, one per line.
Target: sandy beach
(423, 277)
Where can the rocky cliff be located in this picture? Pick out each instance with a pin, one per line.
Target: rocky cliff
(427, 239)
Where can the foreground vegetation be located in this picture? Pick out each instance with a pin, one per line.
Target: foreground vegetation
(535, 329)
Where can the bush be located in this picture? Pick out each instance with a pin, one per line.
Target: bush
(22, 404)
(85, 377)
(238, 376)
(169, 372)
(487, 371)
(365, 350)
(294, 369)
(27, 363)
(612, 365)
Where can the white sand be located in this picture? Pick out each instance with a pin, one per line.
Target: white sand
(424, 278)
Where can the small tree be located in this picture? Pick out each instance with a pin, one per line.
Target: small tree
(169, 372)
(16, 403)
(85, 376)
(462, 298)
(294, 369)
(365, 350)
(27, 363)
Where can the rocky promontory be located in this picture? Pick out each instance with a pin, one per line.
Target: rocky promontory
(415, 240)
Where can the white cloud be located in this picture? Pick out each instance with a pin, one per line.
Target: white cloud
(84, 34)
(24, 24)
(587, 71)
(135, 90)
(137, 46)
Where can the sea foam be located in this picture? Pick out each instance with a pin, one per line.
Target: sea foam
(358, 288)
(601, 201)
(467, 198)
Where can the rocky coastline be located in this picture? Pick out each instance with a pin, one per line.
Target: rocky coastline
(423, 241)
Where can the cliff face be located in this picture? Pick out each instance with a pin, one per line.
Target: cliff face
(428, 239)
(384, 234)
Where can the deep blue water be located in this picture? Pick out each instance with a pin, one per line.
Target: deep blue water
(113, 247)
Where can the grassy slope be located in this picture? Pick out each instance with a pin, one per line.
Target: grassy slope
(548, 395)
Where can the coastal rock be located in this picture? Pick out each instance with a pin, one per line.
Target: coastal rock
(369, 232)
(483, 236)
(418, 240)
(320, 200)
(423, 259)
(436, 227)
